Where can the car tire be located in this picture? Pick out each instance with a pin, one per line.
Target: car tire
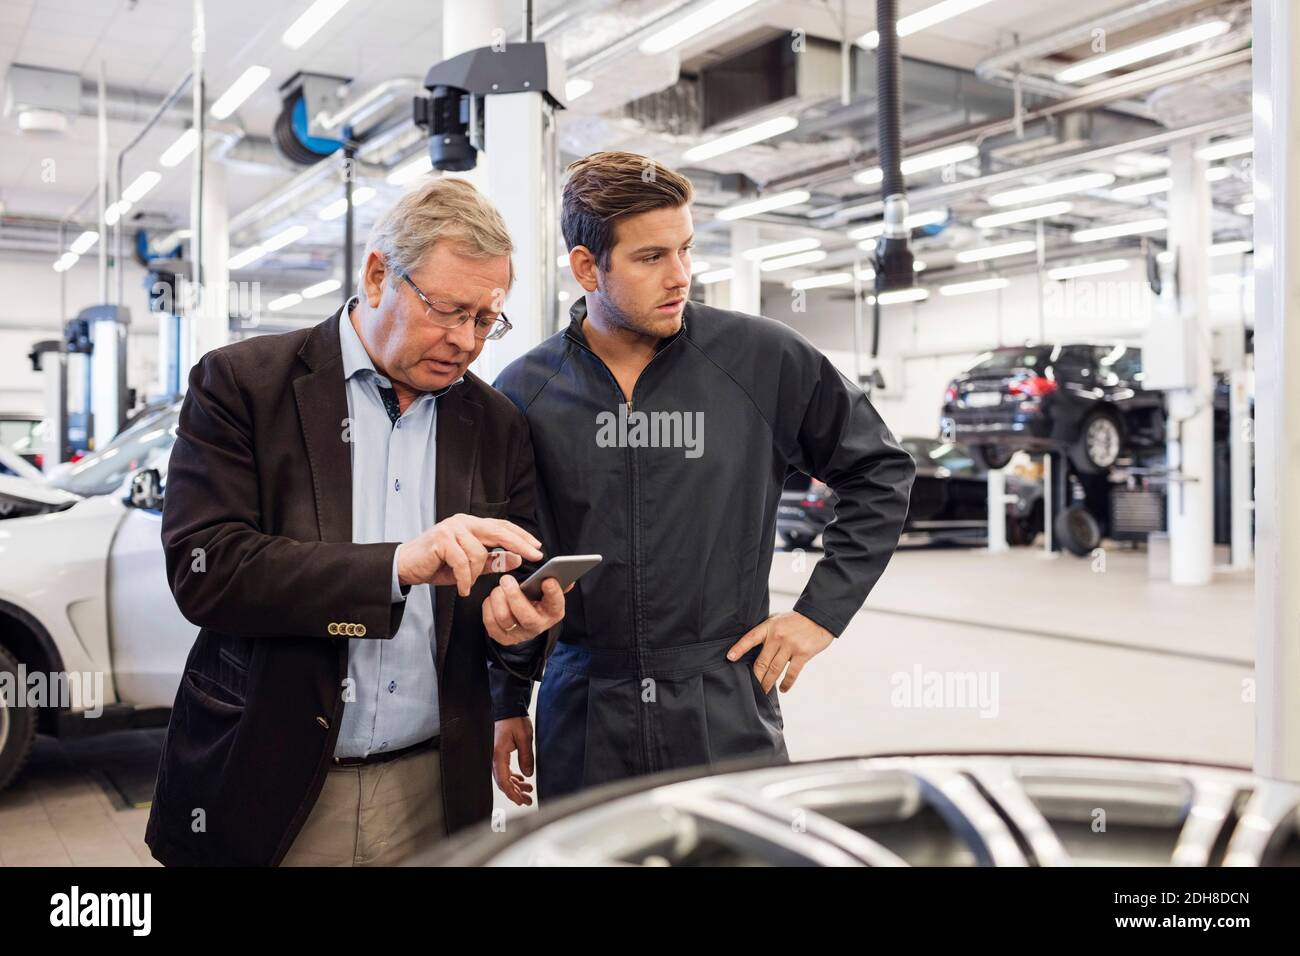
(1077, 530)
(1099, 444)
(795, 541)
(17, 725)
(993, 456)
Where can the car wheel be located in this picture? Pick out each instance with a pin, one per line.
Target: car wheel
(17, 723)
(795, 541)
(1098, 445)
(1077, 530)
(994, 456)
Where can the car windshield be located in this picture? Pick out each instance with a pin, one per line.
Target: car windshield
(145, 444)
(928, 451)
(20, 434)
(1004, 360)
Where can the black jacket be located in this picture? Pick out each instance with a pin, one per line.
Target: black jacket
(639, 680)
(260, 486)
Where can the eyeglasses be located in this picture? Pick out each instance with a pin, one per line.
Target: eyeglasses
(448, 316)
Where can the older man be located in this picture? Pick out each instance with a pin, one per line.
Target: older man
(339, 506)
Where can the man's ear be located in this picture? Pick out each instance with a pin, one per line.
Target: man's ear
(583, 264)
(373, 275)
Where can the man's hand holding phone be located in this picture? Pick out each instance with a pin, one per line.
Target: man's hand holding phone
(455, 551)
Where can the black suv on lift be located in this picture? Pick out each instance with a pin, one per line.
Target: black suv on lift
(1086, 400)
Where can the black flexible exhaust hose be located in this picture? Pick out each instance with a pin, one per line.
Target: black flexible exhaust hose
(888, 98)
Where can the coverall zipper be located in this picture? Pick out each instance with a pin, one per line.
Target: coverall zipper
(647, 760)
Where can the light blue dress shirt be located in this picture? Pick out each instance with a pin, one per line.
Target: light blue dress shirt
(394, 682)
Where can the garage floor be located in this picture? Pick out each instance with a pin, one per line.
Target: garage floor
(956, 650)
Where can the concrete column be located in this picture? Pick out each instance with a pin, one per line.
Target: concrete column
(1191, 410)
(1276, 106)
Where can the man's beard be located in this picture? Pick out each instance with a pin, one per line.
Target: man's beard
(616, 316)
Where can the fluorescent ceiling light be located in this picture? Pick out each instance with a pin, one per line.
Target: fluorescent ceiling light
(922, 19)
(66, 262)
(1145, 187)
(1215, 173)
(115, 211)
(1101, 267)
(918, 265)
(1246, 208)
(1059, 187)
(576, 87)
(284, 238)
(866, 275)
(819, 282)
(789, 262)
(246, 258)
(926, 217)
(718, 275)
(741, 137)
(562, 262)
(1137, 164)
(339, 206)
(335, 209)
(284, 302)
(1137, 52)
(178, 150)
(321, 288)
(315, 17)
(142, 184)
(1165, 255)
(704, 18)
(781, 249)
(777, 201)
(240, 90)
(934, 159)
(83, 242)
(1218, 249)
(998, 251)
(1120, 229)
(1022, 215)
(976, 285)
(903, 295)
(410, 171)
(1225, 148)
(698, 266)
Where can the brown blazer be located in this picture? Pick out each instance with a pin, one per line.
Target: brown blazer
(257, 530)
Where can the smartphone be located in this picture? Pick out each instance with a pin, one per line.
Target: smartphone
(565, 569)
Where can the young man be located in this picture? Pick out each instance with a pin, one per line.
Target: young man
(664, 431)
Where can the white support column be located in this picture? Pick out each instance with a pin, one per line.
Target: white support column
(214, 317)
(468, 26)
(1191, 409)
(997, 534)
(1276, 105)
(522, 124)
(747, 283)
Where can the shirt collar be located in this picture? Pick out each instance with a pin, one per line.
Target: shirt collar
(357, 359)
(578, 312)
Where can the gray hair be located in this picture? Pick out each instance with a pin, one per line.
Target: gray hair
(438, 209)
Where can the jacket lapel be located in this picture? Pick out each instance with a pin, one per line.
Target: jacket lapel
(322, 411)
(457, 461)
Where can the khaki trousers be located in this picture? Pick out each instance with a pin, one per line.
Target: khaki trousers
(373, 815)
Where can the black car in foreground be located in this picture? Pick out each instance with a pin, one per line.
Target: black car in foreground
(1085, 400)
(949, 500)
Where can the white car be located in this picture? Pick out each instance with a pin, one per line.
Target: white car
(91, 639)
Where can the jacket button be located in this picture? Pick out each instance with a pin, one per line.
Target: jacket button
(333, 628)
(361, 630)
(323, 722)
(351, 629)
